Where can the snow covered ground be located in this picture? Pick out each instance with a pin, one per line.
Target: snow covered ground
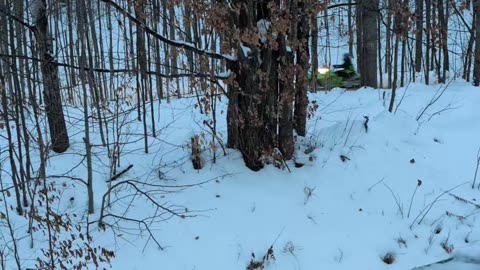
(403, 189)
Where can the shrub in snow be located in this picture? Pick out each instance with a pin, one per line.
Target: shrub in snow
(389, 258)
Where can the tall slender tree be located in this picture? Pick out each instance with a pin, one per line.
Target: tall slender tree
(418, 34)
(476, 63)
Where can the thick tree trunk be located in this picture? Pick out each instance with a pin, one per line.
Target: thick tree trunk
(246, 110)
(262, 90)
(51, 82)
(301, 98)
(369, 9)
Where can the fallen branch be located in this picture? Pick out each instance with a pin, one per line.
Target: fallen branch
(116, 176)
(464, 200)
(434, 263)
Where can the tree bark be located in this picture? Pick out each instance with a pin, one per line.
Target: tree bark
(314, 48)
(301, 97)
(443, 39)
(428, 40)
(51, 83)
(476, 63)
(82, 28)
(418, 35)
(369, 9)
(266, 81)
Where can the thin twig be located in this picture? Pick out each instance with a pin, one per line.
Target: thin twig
(380, 181)
(397, 200)
(430, 205)
(476, 170)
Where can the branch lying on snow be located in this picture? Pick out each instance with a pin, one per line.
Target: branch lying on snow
(464, 200)
(116, 176)
(431, 264)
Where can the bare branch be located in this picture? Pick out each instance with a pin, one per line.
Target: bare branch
(175, 43)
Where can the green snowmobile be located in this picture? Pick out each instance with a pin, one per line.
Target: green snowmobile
(344, 77)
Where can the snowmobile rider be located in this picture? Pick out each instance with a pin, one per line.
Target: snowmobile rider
(347, 70)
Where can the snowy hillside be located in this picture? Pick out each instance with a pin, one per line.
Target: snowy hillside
(396, 196)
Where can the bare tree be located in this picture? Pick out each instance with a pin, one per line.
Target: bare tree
(418, 35)
(368, 11)
(476, 63)
(51, 82)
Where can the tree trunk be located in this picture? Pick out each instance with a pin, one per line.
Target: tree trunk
(301, 97)
(350, 28)
(379, 49)
(262, 90)
(359, 31)
(443, 18)
(82, 28)
(395, 70)
(388, 45)
(369, 9)
(469, 52)
(314, 55)
(428, 39)
(15, 180)
(476, 63)
(51, 82)
(142, 67)
(418, 34)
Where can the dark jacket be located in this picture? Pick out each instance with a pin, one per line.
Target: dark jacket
(347, 67)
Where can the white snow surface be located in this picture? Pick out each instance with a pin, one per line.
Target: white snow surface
(355, 213)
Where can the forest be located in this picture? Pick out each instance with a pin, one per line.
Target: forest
(239, 134)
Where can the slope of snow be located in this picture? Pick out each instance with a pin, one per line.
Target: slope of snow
(329, 214)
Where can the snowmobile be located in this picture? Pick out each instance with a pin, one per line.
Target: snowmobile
(343, 76)
(328, 79)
